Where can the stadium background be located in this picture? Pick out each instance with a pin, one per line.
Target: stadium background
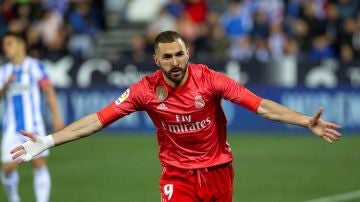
(301, 53)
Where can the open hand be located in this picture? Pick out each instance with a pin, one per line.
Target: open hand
(326, 130)
(31, 148)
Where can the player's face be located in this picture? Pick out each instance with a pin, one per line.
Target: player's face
(12, 47)
(172, 58)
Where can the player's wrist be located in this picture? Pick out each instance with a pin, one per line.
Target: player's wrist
(49, 141)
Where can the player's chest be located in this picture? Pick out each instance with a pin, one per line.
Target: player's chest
(23, 80)
(190, 101)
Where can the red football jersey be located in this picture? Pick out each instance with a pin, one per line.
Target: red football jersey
(189, 120)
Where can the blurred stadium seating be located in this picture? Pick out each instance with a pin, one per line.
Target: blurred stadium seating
(286, 50)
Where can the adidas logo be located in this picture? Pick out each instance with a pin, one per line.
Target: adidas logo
(162, 106)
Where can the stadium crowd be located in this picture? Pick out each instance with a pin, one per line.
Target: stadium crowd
(220, 29)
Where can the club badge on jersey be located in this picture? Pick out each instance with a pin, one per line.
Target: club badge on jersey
(199, 102)
(161, 93)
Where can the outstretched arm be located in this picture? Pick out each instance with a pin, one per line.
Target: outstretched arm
(83, 127)
(276, 112)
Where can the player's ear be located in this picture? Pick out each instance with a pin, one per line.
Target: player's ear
(188, 53)
(156, 60)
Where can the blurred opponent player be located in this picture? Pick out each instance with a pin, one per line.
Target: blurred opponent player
(184, 102)
(21, 82)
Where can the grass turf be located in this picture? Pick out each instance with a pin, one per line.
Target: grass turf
(283, 168)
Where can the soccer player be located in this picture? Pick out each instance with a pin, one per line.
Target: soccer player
(21, 82)
(184, 102)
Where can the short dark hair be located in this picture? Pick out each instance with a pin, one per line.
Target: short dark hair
(167, 37)
(18, 35)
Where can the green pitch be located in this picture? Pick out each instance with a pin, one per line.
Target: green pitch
(284, 168)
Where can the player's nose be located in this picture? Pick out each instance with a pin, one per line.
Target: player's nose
(175, 62)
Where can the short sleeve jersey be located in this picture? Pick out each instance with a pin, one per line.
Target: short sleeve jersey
(23, 98)
(189, 120)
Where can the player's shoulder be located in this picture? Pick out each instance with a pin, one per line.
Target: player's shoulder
(144, 88)
(200, 70)
(34, 61)
(4, 65)
(152, 80)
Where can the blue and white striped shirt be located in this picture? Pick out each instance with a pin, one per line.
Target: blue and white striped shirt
(23, 98)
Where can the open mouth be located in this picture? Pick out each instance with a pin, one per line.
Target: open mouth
(176, 72)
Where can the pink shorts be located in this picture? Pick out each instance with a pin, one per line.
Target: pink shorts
(205, 184)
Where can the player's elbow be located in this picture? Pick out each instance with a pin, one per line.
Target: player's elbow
(265, 110)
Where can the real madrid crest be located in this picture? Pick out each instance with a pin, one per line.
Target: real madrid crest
(199, 102)
(161, 93)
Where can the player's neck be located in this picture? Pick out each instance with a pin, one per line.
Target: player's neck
(18, 59)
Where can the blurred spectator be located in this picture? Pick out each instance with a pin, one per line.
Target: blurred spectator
(115, 11)
(58, 49)
(196, 10)
(241, 49)
(291, 47)
(346, 53)
(49, 26)
(7, 11)
(163, 22)
(187, 28)
(85, 24)
(218, 6)
(219, 43)
(36, 47)
(233, 22)
(143, 10)
(314, 23)
(175, 8)
(300, 31)
(321, 49)
(261, 25)
(356, 36)
(139, 51)
(332, 22)
(273, 9)
(347, 8)
(17, 25)
(293, 8)
(347, 30)
(276, 40)
(261, 52)
(23, 14)
(82, 18)
(60, 6)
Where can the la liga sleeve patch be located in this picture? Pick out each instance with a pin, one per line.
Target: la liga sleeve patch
(122, 97)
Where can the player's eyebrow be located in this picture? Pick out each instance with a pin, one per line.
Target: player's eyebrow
(168, 55)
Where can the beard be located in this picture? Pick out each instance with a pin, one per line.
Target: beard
(175, 74)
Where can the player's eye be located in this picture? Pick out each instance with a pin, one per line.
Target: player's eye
(179, 54)
(166, 56)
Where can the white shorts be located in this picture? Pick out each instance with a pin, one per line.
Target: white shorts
(9, 142)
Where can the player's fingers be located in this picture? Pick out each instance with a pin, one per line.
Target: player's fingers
(318, 113)
(16, 149)
(29, 135)
(327, 139)
(332, 137)
(333, 125)
(333, 133)
(24, 158)
(18, 154)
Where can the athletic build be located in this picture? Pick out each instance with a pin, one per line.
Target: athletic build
(183, 101)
